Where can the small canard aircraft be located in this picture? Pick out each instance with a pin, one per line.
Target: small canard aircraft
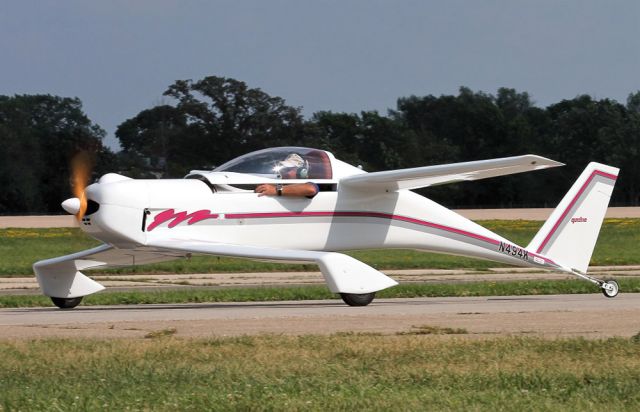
(217, 213)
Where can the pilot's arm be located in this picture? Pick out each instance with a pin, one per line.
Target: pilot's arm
(296, 189)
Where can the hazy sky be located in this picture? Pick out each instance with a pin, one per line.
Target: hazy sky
(119, 57)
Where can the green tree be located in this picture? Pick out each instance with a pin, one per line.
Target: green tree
(215, 119)
(212, 121)
(370, 140)
(582, 130)
(151, 141)
(624, 151)
(39, 134)
(339, 133)
(448, 129)
(386, 143)
(633, 102)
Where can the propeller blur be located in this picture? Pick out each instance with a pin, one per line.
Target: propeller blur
(81, 166)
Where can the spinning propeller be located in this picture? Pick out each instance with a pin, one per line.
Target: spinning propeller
(81, 166)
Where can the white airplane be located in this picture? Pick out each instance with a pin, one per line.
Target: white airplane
(217, 213)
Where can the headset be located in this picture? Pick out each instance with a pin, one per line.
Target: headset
(303, 172)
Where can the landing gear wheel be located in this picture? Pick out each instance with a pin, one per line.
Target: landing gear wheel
(66, 303)
(610, 288)
(358, 299)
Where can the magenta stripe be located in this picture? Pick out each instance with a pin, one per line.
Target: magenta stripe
(375, 215)
(446, 228)
(361, 214)
(605, 174)
(572, 203)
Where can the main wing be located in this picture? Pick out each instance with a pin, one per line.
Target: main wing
(417, 177)
(342, 273)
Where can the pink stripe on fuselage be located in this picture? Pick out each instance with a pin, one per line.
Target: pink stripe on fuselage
(175, 218)
(375, 215)
(361, 214)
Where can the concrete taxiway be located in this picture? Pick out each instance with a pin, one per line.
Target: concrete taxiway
(590, 316)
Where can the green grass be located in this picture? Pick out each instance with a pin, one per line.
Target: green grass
(20, 248)
(319, 373)
(266, 294)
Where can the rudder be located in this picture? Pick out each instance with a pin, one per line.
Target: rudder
(570, 234)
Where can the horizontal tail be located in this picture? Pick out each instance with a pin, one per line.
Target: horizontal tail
(570, 234)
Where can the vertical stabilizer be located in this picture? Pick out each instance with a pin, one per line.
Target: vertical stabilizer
(569, 235)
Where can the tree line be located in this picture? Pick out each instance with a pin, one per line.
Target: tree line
(212, 120)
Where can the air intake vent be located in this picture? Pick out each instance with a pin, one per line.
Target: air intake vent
(92, 207)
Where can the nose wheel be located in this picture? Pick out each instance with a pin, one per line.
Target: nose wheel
(610, 288)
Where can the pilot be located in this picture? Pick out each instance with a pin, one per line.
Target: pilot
(292, 167)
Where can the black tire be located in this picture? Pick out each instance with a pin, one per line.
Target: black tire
(358, 299)
(66, 303)
(614, 292)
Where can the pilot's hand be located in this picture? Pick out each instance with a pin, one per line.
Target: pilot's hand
(265, 190)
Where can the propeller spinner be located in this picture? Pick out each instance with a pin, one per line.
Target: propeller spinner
(72, 205)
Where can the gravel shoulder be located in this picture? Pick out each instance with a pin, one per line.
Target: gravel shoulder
(29, 285)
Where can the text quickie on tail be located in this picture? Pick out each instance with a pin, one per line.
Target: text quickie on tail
(570, 234)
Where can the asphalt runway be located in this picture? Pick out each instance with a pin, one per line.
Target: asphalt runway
(590, 316)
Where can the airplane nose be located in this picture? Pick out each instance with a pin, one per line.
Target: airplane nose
(72, 205)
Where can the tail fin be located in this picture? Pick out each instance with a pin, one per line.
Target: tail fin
(569, 235)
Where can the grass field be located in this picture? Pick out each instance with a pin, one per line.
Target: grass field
(318, 373)
(20, 248)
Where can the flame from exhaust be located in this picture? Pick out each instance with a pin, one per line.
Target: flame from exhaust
(81, 166)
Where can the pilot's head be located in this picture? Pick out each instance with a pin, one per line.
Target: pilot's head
(292, 167)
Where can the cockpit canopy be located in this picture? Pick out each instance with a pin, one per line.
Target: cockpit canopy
(311, 163)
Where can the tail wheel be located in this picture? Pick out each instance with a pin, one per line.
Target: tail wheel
(66, 303)
(610, 288)
(358, 299)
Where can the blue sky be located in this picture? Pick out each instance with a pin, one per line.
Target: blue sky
(119, 56)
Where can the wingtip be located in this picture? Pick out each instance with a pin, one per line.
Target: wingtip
(543, 162)
(553, 163)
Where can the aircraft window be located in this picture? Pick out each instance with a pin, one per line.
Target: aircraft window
(286, 162)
